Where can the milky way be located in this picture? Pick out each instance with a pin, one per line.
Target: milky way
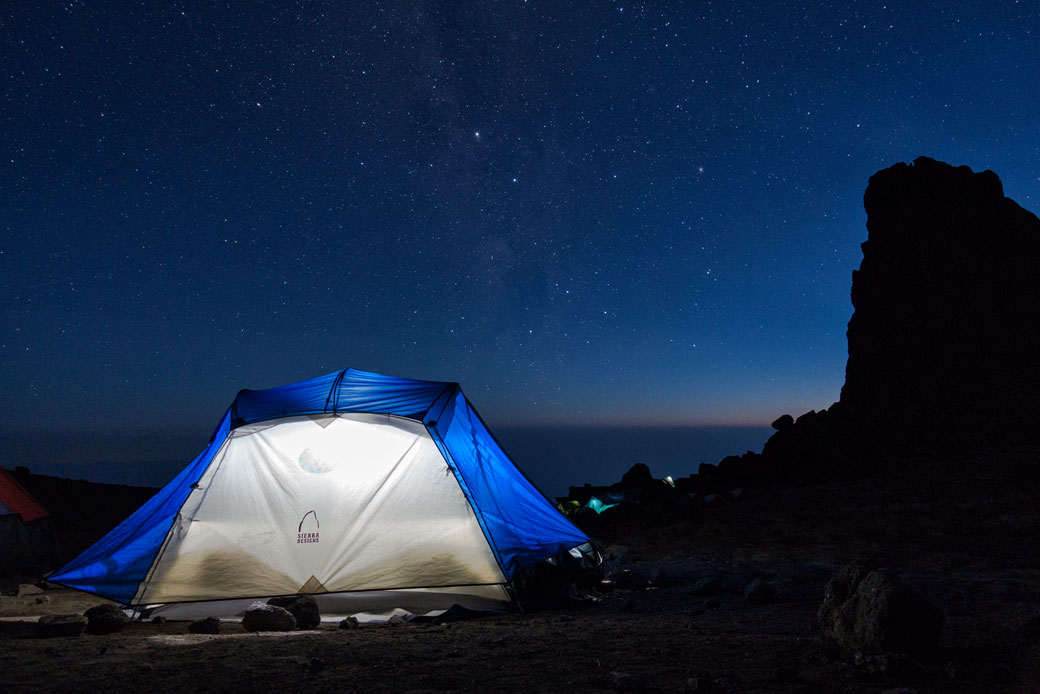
(583, 212)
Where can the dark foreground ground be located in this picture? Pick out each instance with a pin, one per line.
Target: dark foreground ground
(963, 531)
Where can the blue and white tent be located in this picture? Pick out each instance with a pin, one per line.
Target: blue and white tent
(369, 492)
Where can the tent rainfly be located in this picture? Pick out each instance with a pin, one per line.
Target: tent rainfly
(369, 492)
(28, 544)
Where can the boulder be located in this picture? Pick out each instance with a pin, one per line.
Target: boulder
(838, 591)
(262, 617)
(105, 619)
(303, 608)
(349, 623)
(56, 625)
(880, 613)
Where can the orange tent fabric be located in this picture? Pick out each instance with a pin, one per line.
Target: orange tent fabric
(15, 499)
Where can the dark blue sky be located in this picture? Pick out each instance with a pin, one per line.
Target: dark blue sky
(583, 212)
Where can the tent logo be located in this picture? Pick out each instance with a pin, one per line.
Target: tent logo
(308, 536)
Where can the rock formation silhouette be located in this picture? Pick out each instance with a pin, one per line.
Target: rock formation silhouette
(944, 342)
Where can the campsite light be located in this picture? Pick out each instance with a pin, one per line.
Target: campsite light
(598, 506)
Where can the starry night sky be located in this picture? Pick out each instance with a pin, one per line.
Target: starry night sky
(585, 213)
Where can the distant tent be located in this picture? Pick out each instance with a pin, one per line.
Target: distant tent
(369, 492)
(27, 541)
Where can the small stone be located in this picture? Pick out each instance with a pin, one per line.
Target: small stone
(637, 577)
(209, 625)
(22, 629)
(624, 681)
(707, 585)
(700, 682)
(618, 552)
(263, 617)
(303, 608)
(349, 623)
(896, 665)
(105, 619)
(759, 591)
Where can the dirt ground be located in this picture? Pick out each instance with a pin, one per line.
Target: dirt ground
(963, 531)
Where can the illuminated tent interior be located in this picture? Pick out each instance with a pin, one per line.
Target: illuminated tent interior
(369, 492)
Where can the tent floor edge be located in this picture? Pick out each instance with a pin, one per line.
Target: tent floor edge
(414, 601)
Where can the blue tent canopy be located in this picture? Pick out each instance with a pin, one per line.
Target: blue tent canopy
(520, 525)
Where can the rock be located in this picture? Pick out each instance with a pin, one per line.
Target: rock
(881, 614)
(899, 665)
(263, 617)
(209, 625)
(303, 608)
(759, 591)
(613, 557)
(837, 592)
(105, 619)
(625, 681)
(349, 623)
(637, 577)
(783, 422)
(618, 552)
(56, 625)
(700, 682)
(707, 585)
(41, 600)
(21, 629)
(28, 589)
(637, 475)
(1016, 590)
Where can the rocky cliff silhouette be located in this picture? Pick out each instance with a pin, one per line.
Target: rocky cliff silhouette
(944, 342)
